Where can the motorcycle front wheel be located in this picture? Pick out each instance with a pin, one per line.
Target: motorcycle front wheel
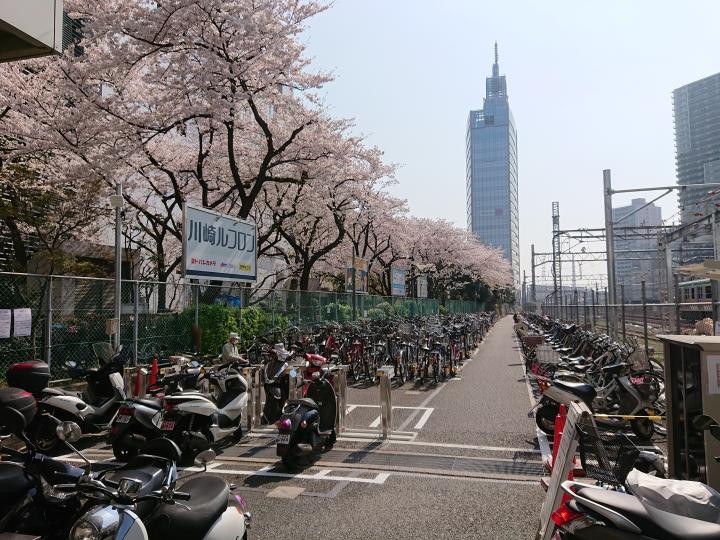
(44, 435)
(545, 418)
(644, 428)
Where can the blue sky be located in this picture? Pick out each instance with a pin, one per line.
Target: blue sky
(590, 87)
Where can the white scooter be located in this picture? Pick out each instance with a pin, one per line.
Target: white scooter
(127, 511)
(197, 420)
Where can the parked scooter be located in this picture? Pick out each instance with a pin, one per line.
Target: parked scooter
(141, 500)
(138, 419)
(632, 398)
(29, 503)
(275, 383)
(196, 420)
(652, 509)
(307, 425)
(93, 409)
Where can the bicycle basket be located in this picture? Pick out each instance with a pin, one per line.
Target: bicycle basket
(606, 456)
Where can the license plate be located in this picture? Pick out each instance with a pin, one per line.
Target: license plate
(123, 418)
(283, 438)
(167, 425)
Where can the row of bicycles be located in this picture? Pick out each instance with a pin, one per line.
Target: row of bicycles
(419, 350)
(608, 375)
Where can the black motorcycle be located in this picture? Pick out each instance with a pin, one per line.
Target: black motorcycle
(307, 425)
(276, 386)
(137, 420)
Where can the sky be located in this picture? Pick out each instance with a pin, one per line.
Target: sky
(590, 86)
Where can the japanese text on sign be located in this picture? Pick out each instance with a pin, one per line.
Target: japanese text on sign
(218, 246)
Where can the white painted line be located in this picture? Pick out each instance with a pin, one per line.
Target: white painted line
(456, 379)
(413, 392)
(376, 423)
(350, 409)
(468, 447)
(423, 419)
(323, 473)
(379, 478)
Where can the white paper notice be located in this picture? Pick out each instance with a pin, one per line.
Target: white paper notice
(23, 322)
(5, 320)
(713, 367)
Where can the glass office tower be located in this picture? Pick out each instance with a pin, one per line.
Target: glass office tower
(492, 172)
(696, 108)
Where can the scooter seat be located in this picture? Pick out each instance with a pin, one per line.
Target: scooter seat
(584, 391)
(654, 523)
(15, 483)
(154, 403)
(615, 368)
(60, 392)
(208, 501)
(304, 401)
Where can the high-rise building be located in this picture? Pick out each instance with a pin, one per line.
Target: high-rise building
(696, 109)
(633, 260)
(492, 172)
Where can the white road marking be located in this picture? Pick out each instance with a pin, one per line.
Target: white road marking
(424, 418)
(467, 446)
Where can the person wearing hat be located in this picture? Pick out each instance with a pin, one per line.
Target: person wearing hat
(230, 351)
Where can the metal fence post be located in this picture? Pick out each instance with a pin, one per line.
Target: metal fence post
(337, 307)
(644, 311)
(48, 322)
(622, 307)
(677, 303)
(272, 301)
(607, 314)
(585, 307)
(136, 316)
(577, 307)
(594, 312)
(297, 305)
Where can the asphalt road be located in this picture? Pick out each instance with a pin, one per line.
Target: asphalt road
(463, 463)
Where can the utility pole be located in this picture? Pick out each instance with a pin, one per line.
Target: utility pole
(533, 292)
(609, 245)
(116, 201)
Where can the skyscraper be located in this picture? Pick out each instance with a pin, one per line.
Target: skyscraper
(696, 108)
(632, 267)
(492, 172)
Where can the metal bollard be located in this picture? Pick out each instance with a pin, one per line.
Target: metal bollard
(252, 390)
(340, 387)
(386, 373)
(257, 421)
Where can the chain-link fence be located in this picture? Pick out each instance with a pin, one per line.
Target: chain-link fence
(69, 314)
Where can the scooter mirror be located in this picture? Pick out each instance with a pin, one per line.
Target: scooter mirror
(68, 431)
(703, 422)
(205, 457)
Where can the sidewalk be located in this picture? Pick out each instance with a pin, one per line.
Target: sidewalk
(489, 404)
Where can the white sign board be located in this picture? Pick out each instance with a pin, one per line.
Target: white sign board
(398, 276)
(217, 246)
(422, 291)
(23, 322)
(5, 322)
(713, 368)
